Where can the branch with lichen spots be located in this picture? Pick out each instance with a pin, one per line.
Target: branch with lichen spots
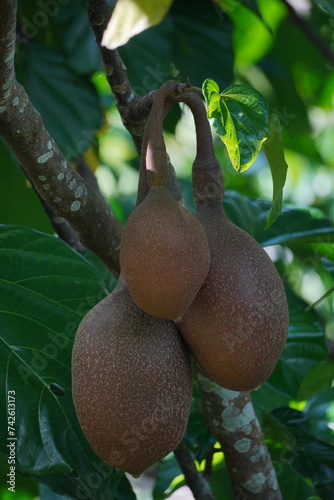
(54, 179)
(230, 417)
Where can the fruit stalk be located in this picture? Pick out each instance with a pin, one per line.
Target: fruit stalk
(208, 182)
(156, 154)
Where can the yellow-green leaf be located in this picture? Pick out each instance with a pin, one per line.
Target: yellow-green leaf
(240, 118)
(131, 17)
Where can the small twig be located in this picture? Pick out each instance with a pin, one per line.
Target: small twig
(115, 69)
(308, 29)
(197, 483)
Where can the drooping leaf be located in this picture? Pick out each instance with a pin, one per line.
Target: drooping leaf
(131, 17)
(45, 290)
(274, 151)
(240, 119)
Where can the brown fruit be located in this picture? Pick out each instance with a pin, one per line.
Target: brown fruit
(131, 383)
(164, 252)
(237, 325)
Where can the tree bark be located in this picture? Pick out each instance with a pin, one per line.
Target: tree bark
(230, 417)
(54, 179)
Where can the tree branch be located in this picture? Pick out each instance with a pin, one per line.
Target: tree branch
(54, 179)
(197, 483)
(230, 417)
(133, 108)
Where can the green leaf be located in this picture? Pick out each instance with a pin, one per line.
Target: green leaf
(198, 437)
(131, 17)
(295, 225)
(169, 470)
(45, 290)
(183, 42)
(306, 454)
(19, 203)
(326, 5)
(305, 347)
(274, 151)
(67, 101)
(318, 379)
(240, 119)
(230, 6)
(320, 412)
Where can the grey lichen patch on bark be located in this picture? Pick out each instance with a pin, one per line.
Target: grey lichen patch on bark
(255, 483)
(231, 418)
(45, 157)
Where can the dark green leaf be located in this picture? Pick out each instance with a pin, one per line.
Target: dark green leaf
(169, 469)
(305, 348)
(68, 102)
(198, 438)
(326, 5)
(182, 43)
(240, 119)
(274, 151)
(19, 203)
(295, 225)
(319, 378)
(320, 412)
(46, 494)
(308, 456)
(45, 289)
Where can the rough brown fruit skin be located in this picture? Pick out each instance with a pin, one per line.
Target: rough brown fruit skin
(237, 326)
(172, 256)
(131, 383)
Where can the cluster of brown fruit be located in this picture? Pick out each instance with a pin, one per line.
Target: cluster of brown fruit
(188, 283)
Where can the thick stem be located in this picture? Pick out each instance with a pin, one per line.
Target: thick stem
(208, 182)
(231, 418)
(156, 155)
(197, 483)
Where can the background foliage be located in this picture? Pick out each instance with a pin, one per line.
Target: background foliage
(46, 288)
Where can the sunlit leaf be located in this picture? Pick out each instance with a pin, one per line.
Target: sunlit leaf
(131, 17)
(230, 6)
(274, 151)
(240, 119)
